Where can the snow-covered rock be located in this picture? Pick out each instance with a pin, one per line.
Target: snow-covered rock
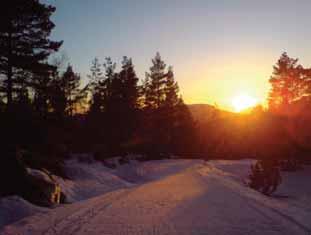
(87, 180)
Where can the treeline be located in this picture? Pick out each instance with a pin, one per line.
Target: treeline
(129, 116)
(45, 110)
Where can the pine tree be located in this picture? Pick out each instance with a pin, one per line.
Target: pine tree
(41, 84)
(25, 26)
(57, 98)
(71, 85)
(168, 123)
(171, 90)
(96, 88)
(66, 94)
(129, 87)
(143, 91)
(106, 85)
(96, 72)
(155, 94)
(130, 99)
(121, 104)
(286, 82)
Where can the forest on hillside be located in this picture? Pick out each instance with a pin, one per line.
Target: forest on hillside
(46, 113)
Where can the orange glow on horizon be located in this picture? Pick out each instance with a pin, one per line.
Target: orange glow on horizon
(218, 82)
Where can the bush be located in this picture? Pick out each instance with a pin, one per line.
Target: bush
(265, 176)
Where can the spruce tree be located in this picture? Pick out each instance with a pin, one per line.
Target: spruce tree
(129, 86)
(25, 26)
(96, 88)
(65, 93)
(121, 102)
(171, 90)
(168, 123)
(155, 95)
(96, 72)
(106, 85)
(129, 99)
(71, 85)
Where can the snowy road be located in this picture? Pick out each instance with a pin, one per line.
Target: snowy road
(198, 199)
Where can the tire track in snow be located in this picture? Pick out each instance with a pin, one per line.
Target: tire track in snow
(82, 216)
(75, 222)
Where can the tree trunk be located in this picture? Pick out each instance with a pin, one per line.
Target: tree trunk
(9, 73)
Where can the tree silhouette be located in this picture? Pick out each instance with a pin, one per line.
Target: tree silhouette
(167, 122)
(129, 83)
(24, 45)
(171, 90)
(155, 93)
(96, 87)
(65, 93)
(71, 84)
(287, 82)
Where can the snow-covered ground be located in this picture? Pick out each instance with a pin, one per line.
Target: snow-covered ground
(169, 197)
(15, 208)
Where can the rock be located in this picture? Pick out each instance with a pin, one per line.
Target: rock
(46, 191)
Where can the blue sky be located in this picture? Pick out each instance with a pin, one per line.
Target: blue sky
(219, 49)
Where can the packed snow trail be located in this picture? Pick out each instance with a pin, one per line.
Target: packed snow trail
(199, 199)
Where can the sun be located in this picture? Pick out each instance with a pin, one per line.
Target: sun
(243, 101)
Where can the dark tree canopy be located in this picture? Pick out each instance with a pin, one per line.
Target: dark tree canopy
(25, 26)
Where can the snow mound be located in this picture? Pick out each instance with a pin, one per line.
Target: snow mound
(14, 208)
(88, 180)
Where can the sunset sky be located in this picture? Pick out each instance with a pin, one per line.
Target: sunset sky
(219, 49)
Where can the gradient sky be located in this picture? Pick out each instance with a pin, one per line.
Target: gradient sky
(218, 48)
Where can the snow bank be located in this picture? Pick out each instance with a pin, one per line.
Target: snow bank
(237, 170)
(87, 180)
(92, 178)
(15, 208)
(142, 172)
(185, 197)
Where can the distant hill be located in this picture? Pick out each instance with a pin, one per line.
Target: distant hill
(207, 112)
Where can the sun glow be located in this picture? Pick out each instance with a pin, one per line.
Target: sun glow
(243, 101)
